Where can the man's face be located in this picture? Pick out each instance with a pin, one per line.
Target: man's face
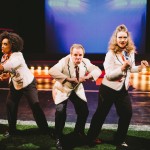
(77, 55)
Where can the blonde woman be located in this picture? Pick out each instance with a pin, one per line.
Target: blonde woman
(119, 63)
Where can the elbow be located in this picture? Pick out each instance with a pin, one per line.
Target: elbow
(109, 78)
(50, 71)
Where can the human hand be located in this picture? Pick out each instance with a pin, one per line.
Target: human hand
(4, 76)
(82, 79)
(72, 80)
(1, 78)
(1, 68)
(126, 65)
(85, 78)
(144, 64)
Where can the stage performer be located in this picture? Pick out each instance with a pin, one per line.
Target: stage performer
(118, 64)
(21, 82)
(70, 72)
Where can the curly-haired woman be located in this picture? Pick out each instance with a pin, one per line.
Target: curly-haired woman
(22, 82)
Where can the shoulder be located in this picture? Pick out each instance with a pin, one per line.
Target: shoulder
(110, 53)
(64, 59)
(132, 53)
(86, 60)
(17, 54)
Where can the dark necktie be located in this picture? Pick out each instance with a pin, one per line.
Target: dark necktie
(77, 72)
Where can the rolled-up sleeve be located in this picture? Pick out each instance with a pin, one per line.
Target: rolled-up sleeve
(11, 64)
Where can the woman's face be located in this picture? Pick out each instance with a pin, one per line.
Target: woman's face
(122, 39)
(6, 47)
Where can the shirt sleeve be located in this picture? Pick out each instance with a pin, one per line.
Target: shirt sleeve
(93, 70)
(112, 71)
(12, 63)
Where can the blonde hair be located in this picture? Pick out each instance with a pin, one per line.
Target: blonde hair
(77, 46)
(130, 47)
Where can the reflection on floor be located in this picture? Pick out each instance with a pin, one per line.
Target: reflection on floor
(140, 93)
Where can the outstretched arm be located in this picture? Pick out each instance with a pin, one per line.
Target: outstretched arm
(144, 64)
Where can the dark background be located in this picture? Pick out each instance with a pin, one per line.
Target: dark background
(27, 18)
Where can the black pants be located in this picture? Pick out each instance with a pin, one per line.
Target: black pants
(13, 99)
(122, 102)
(82, 112)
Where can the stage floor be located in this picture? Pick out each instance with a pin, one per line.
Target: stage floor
(140, 94)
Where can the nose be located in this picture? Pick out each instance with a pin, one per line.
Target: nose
(78, 57)
(122, 39)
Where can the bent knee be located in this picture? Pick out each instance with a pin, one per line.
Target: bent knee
(60, 108)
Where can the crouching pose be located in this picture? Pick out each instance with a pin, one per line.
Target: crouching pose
(22, 82)
(70, 72)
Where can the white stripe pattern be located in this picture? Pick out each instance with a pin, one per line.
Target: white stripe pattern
(72, 124)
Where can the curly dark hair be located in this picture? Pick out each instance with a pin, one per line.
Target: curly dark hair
(15, 40)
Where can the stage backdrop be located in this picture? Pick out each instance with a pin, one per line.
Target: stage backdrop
(91, 23)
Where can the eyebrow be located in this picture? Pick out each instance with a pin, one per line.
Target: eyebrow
(122, 36)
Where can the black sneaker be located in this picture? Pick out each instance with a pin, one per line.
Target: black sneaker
(8, 134)
(59, 144)
(79, 136)
(93, 143)
(51, 132)
(122, 146)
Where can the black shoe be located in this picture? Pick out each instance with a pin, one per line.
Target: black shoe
(51, 132)
(97, 141)
(8, 134)
(93, 143)
(59, 144)
(48, 131)
(122, 146)
(52, 135)
(80, 136)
